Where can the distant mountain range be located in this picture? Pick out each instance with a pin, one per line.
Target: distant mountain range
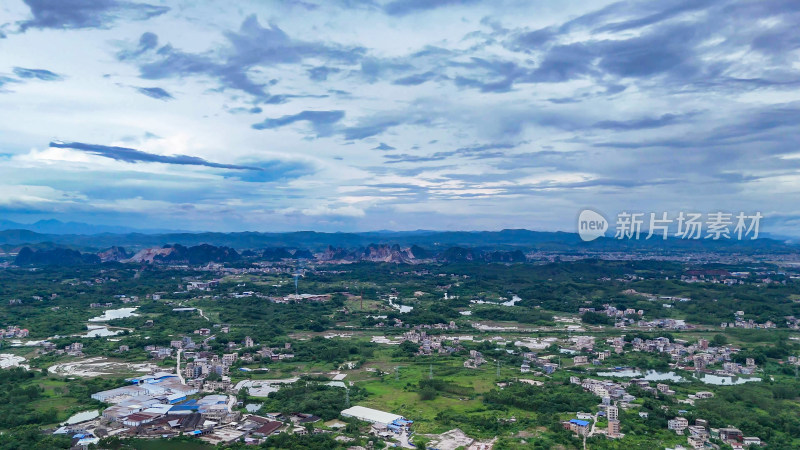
(34, 248)
(53, 226)
(432, 240)
(204, 253)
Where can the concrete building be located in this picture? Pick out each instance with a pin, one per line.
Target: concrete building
(613, 428)
(678, 424)
(612, 412)
(578, 426)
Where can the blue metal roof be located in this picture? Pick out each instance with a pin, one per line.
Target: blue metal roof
(582, 423)
(184, 408)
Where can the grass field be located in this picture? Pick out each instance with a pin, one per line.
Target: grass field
(396, 391)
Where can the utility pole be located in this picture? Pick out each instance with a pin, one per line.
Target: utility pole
(430, 372)
(347, 397)
(498, 369)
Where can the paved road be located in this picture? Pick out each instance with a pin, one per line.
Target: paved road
(594, 424)
(178, 367)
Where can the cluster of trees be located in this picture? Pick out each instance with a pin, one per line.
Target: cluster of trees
(487, 423)
(20, 415)
(332, 350)
(17, 391)
(593, 318)
(548, 399)
(430, 388)
(311, 397)
(769, 411)
(30, 437)
(514, 314)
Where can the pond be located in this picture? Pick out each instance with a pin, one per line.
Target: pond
(511, 302)
(650, 375)
(654, 375)
(401, 308)
(112, 314)
(100, 331)
(725, 380)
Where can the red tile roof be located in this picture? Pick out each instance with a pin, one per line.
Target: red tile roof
(268, 428)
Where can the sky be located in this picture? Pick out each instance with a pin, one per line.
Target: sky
(349, 115)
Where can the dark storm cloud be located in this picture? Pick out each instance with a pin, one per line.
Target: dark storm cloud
(131, 155)
(38, 74)
(156, 93)
(73, 14)
(321, 121)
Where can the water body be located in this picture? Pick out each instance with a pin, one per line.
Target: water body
(511, 302)
(82, 417)
(112, 314)
(100, 331)
(653, 375)
(627, 373)
(725, 380)
(401, 308)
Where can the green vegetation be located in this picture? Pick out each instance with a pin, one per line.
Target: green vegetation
(311, 397)
(436, 391)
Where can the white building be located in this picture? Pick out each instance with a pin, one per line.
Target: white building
(370, 415)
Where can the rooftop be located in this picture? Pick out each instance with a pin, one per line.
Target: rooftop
(370, 415)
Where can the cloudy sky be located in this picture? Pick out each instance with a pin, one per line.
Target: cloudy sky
(405, 114)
